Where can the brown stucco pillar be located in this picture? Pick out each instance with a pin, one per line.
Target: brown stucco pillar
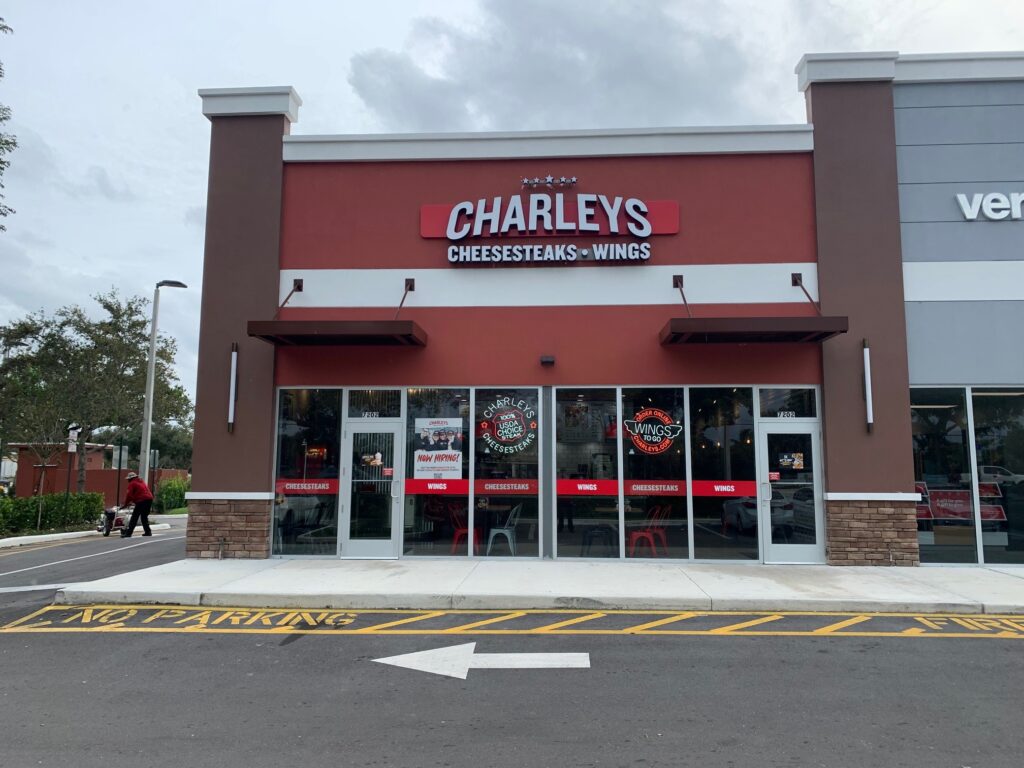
(232, 473)
(869, 475)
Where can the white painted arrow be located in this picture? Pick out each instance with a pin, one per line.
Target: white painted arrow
(457, 660)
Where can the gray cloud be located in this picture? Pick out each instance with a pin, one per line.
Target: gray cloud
(195, 216)
(534, 65)
(98, 181)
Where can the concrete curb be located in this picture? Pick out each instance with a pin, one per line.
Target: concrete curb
(81, 594)
(22, 541)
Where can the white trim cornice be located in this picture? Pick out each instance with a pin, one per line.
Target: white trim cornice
(910, 68)
(539, 144)
(240, 102)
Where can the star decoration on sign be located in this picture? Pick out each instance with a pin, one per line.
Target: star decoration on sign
(549, 180)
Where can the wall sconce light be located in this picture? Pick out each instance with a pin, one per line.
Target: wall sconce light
(869, 406)
(547, 360)
(233, 386)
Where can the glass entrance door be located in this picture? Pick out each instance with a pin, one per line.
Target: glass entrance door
(790, 499)
(371, 493)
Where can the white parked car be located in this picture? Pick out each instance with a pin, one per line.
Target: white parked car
(741, 512)
(989, 473)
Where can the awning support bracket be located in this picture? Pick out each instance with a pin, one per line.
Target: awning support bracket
(296, 288)
(677, 282)
(798, 282)
(410, 285)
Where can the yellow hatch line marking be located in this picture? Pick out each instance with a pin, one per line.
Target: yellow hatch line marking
(24, 619)
(409, 620)
(744, 624)
(568, 622)
(493, 620)
(540, 611)
(691, 633)
(840, 625)
(221, 620)
(658, 623)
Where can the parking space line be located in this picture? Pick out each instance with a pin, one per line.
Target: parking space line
(94, 554)
(29, 548)
(840, 625)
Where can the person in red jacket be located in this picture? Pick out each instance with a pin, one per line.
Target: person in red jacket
(139, 495)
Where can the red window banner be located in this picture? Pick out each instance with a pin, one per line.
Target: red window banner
(921, 488)
(989, 490)
(505, 487)
(588, 487)
(954, 509)
(655, 487)
(951, 505)
(724, 488)
(437, 487)
(313, 487)
(993, 512)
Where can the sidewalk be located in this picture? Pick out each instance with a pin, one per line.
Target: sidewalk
(483, 584)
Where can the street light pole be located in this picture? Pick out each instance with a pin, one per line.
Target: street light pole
(147, 409)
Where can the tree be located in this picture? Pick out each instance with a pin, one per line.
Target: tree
(72, 368)
(173, 440)
(7, 141)
(33, 402)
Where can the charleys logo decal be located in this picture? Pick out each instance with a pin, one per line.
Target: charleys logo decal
(652, 430)
(509, 425)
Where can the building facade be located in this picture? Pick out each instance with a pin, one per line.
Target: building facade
(694, 344)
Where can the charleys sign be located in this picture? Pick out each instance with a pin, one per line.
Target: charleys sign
(615, 227)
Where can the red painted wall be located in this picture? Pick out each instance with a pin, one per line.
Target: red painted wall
(733, 209)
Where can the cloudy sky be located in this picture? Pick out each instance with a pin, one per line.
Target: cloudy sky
(109, 180)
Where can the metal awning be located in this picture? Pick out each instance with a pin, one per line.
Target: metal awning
(351, 333)
(751, 330)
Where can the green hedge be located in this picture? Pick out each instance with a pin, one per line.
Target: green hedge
(19, 515)
(170, 494)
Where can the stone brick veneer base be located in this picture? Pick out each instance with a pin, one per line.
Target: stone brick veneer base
(236, 529)
(871, 533)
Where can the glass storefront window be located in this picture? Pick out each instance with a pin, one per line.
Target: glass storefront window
(999, 441)
(724, 479)
(436, 511)
(507, 447)
(374, 403)
(942, 475)
(306, 478)
(787, 403)
(654, 472)
(587, 473)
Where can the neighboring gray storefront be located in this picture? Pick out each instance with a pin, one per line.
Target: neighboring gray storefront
(963, 139)
(960, 159)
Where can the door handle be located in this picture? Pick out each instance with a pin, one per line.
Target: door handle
(396, 484)
(766, 491)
